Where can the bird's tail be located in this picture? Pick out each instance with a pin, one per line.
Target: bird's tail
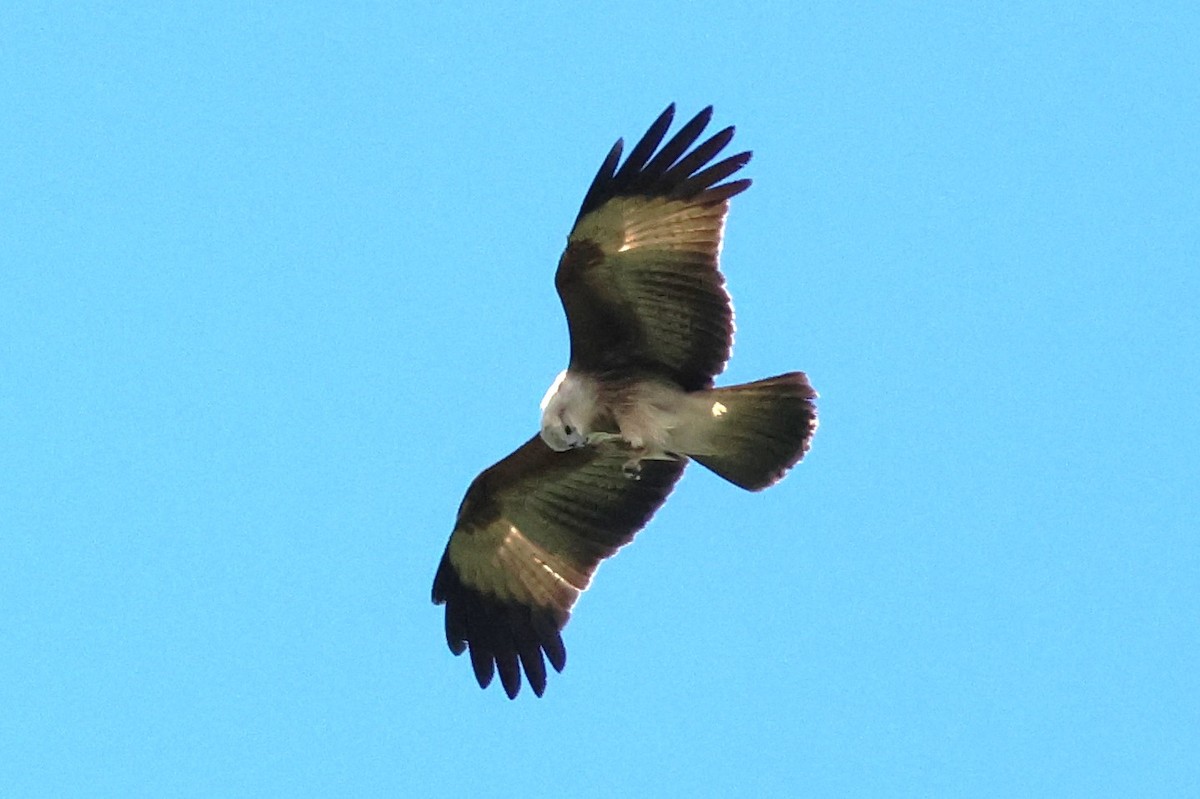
(751, 434)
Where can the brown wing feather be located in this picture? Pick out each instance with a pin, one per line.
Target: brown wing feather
(640, 280)
(530, 534)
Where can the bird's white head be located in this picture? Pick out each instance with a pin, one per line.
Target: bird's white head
(564, 415)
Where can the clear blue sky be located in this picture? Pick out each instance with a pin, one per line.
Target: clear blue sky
(276, 284)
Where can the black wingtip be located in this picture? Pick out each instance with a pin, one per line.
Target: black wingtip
(483, 666)
(706, 180)
(510, 672)
(672, 170)
(645, 147)
(556, 653)
(604, 176)
(535, 668)
(503, 638)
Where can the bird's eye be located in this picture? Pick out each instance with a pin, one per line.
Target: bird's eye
(569, 430)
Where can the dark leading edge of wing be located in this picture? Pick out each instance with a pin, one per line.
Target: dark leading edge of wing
(667, 174)
(531, 531)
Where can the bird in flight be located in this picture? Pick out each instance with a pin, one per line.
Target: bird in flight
(651, 326)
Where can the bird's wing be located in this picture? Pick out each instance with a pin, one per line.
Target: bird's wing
(530, 533)
(640, 281)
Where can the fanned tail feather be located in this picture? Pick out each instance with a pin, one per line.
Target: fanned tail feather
(754, 433)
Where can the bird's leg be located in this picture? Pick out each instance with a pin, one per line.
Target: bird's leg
(634, 445)
(632, 468)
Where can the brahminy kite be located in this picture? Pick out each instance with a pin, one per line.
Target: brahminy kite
(651, 325)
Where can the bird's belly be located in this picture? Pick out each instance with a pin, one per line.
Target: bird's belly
(650, 415)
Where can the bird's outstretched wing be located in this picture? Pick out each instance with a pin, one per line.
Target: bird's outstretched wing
(530, 534)
(640, 280)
